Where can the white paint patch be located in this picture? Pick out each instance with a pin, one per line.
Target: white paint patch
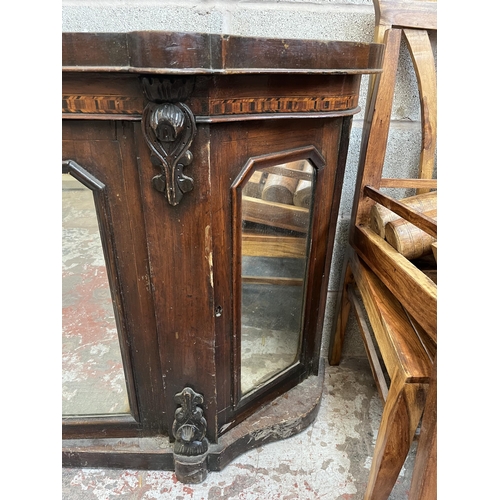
(209, 254)
(99, 349)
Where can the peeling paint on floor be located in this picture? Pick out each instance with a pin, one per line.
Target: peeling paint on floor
(328, 460)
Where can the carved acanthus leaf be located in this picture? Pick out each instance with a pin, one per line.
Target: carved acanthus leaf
(169, 129)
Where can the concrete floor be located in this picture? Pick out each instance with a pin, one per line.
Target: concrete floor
(330, 459)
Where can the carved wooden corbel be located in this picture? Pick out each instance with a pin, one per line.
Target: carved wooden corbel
(169, 127)
(189, 426)
(191, 445)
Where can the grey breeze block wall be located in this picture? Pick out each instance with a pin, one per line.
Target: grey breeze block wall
(350, 20)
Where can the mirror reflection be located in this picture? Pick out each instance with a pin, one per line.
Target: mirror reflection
(275, 238)
(93, 381)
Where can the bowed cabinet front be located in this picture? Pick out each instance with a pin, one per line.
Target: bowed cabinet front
(201, 183)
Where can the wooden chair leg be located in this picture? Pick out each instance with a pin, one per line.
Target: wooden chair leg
(340, 319)
(402, 412)
(424, 479)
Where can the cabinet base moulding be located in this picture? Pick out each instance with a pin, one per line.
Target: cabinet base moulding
(286, 416)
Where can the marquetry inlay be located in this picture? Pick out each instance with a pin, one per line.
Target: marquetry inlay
(280, 104)
(102, 104)
(113, 104)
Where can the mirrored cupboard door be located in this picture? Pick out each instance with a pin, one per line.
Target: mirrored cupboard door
(202, 176)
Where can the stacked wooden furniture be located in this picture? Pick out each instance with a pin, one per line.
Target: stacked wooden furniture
(283, 190)
(398, 294)
(278, 197)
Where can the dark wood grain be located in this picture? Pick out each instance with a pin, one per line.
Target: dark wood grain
(293, 55)
(249, 145)
(230, 97)
(92, 49)
(202, 53)
(259, 100)
(107, 152)
(179, 246)
(186, 52)
(111, 426)
(291, 413)
(342, 145)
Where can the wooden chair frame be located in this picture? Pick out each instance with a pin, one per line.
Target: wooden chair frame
(399, 298)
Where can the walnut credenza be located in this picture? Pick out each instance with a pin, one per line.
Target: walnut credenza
(216, 165)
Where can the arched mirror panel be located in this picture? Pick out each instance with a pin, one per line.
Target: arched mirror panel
(272, 233)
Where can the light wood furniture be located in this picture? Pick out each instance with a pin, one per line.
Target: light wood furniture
(424, 479)
(398, 294)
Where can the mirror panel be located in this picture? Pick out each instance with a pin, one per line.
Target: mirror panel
(93, 379)
(275, 238)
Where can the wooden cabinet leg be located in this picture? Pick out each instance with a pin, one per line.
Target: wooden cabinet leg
(400, 418)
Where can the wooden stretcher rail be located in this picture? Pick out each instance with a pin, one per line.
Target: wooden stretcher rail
(389, 182)
(418, 296)
(421, 14)
(428, 344)
(375, 365)
(271, 280)
(400, 348)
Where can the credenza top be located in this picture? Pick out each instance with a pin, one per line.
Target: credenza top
(160, 52)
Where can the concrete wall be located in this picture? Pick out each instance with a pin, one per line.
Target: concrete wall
(351, 20)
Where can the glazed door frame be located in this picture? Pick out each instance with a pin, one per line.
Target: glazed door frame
(114, 152)
(101, 155)
(237, 146)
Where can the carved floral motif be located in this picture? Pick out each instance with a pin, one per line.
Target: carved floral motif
(169, 129)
